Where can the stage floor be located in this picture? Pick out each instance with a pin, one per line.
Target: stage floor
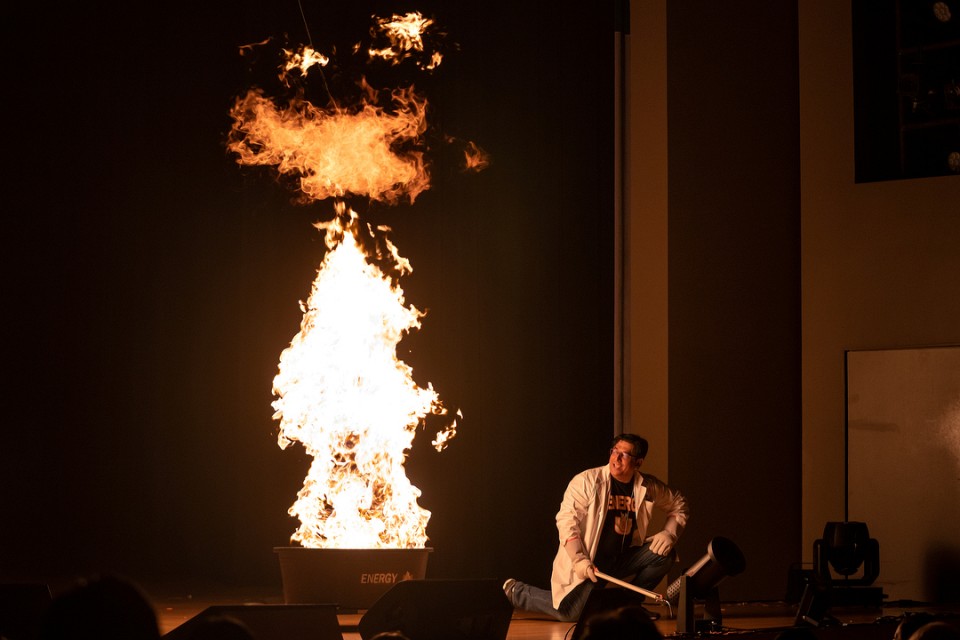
(760, 619)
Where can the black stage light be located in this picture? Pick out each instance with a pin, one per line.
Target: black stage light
(699, 582)
(846, 561)
(847, 547)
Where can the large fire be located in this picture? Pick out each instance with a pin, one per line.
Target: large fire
(341, 391)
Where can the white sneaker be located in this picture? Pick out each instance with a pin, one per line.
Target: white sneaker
(508, 589)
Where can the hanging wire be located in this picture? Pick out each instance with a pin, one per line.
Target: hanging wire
(323, 76)
(306, 27)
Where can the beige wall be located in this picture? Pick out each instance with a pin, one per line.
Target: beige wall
(880, 261)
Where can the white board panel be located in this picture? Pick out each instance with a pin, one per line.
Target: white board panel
(903, 465)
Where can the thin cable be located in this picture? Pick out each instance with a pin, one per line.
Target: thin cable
(323, 76)
(306, 27)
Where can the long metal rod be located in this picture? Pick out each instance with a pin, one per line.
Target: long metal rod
(651, 594)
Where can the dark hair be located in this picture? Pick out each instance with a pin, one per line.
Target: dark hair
(101, 608)
(910, 623)
(640, 445)
(936, 630)
(625, 623)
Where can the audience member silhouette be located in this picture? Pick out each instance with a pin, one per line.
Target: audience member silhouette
(910, 623)
(390, 635)
(625, 623)
(101, 608)
(22, 607)
(936, 630)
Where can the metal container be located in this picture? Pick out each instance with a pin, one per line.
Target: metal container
(349, 578)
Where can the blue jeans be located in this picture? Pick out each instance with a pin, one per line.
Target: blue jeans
(646, 567)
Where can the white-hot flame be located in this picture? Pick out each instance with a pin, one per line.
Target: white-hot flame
(343, 394)
(303, 59)
(405, 37)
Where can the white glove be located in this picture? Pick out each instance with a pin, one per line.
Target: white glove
(662, 543)
(584, 569)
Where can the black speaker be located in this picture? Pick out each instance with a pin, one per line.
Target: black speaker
(440, 610)
(270, 621)
(22, 607)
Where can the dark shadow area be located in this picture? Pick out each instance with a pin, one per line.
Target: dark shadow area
(151, 284)
(906, 57)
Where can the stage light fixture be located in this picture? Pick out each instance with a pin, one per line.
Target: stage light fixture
(699, 582)
(846, 547)
(846, 561)
(846, 550)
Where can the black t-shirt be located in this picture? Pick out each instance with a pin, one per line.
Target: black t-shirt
(618, 526)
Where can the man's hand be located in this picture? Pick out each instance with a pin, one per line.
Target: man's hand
(584, 569)
(662, 543)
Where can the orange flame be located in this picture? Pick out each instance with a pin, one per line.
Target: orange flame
(405, 35)
(475, 158)
(340, 390)
(336, 153)
(444, 437)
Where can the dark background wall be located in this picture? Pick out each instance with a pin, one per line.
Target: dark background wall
(734, 282)
(150, 285)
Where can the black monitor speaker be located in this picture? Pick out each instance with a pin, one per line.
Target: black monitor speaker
(269, 621)
(440, 610)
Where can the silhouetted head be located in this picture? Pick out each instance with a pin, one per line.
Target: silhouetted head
(910, 623)
(390, 635)
(101, 608)
(937, 630)
(626, 623)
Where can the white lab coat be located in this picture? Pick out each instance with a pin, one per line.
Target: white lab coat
(584, 509)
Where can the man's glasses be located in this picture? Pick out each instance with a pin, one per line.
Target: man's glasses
(621, 454)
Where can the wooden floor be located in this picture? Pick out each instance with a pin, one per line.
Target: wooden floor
(763, 619)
